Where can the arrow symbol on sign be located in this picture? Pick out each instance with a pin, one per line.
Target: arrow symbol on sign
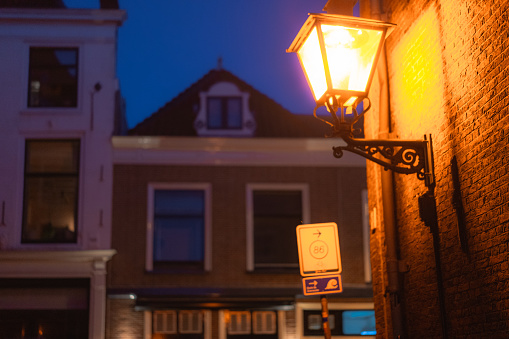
(318, 232)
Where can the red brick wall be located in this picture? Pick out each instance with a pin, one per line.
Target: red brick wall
(335, 195)
(448, 65)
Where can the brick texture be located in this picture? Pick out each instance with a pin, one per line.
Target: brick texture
(335, 195)
(448, 66)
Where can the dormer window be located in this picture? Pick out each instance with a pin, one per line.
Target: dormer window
(224, 112)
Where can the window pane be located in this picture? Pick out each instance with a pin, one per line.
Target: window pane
(179, 202)
(179, 224)
(178, 239)
(51, 156)
(234, 113)
(53, 77)
(214, 113)
(224, 112)
(51, 191)
(276, 214)
(359, 323)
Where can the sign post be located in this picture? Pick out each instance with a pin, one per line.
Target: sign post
(320, 264)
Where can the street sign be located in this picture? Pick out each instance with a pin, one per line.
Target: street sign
(318, 249)
(325, 284)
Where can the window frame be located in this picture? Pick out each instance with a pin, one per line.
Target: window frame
(207, 189)
(78, 79)
(78, 193)
(250, 187)
(149, 318)
(225, 121)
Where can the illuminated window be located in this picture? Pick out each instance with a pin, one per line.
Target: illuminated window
(165, 322)
(174, 323)
(50, 200)
(240, 322)
(262, 324)
(341, 323)
(178, 227)
(224, 112)
(274, 211)
(53, 77)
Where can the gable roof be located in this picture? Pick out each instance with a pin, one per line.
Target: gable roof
(176, 118)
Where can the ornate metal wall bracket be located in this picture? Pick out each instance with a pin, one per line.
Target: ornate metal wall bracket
(401, 156)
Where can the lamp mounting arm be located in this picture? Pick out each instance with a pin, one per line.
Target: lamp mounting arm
(400, 156)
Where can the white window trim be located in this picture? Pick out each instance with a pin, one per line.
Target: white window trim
(152, 187)
(207, 324)
(82, 178)
(304, 188)
(80, 95)
(236, 315)
(266, 328)
(190, 314)
(171, 328)
(225, 89)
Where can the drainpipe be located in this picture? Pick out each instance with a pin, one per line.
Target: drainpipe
(393, 289)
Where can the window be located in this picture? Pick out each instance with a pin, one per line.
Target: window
(252, 324)
(190, 324)
(240, 322)
(178, 227)
(53, 77)
(224, 112)
(341, 322)
(264, 322)
(50, 200)
(165, 322)
(274, 211)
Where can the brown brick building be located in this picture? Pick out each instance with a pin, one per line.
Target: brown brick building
(207, 194)
(447, 66)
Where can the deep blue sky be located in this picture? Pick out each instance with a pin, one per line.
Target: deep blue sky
(166, 45)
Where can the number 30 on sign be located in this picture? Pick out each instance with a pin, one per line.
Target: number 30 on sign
(318, 249)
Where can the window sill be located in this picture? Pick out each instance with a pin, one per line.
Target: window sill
(176, 271)
(180, 268)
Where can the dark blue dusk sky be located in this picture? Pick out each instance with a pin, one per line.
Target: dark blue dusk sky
(166, 45)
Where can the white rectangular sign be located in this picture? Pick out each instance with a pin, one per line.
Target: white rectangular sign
(318, 249)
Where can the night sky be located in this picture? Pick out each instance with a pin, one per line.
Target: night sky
(167, 45)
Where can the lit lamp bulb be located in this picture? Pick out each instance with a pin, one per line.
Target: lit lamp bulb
(337, 54)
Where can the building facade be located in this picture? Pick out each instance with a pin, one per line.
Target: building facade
(59, 101)
(446, 66)
(207, 194)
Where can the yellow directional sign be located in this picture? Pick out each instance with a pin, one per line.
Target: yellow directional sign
(318, 249)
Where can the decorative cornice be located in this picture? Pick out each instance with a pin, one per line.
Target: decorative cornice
(229, 151)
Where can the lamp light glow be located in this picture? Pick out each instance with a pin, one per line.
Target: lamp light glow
(338, 54)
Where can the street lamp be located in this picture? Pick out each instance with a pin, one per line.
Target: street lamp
(338, 55)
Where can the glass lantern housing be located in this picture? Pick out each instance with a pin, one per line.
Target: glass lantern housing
(338, 54)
